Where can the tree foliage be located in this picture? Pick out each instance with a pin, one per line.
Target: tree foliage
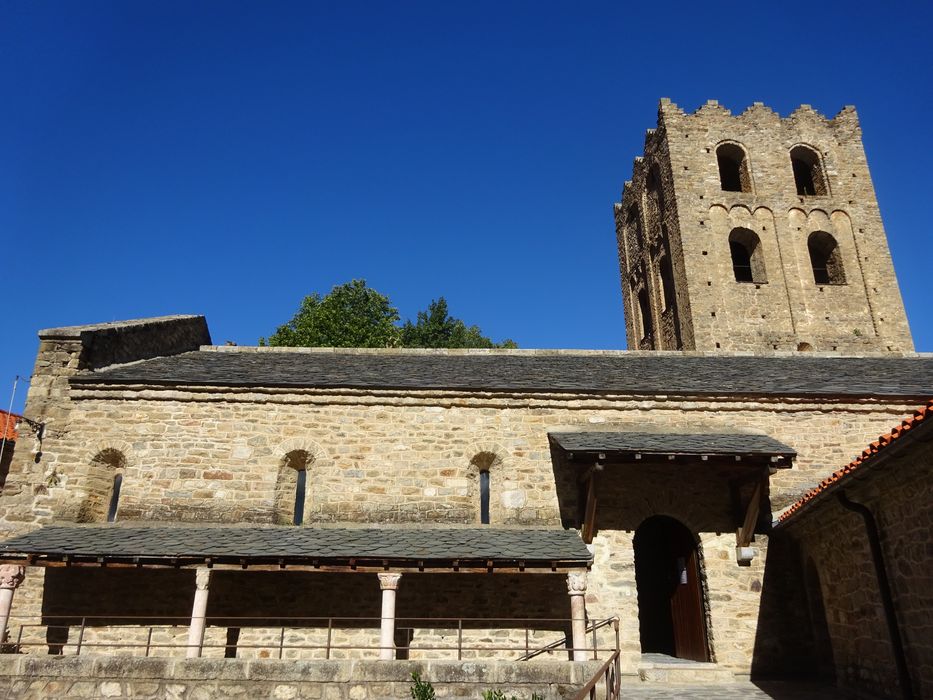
(351, 316)
(354, 315)
(436, 328)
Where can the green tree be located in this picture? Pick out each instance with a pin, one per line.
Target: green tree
(351, 316)
(436, 328)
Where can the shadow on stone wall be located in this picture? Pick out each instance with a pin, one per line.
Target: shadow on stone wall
(784, 645)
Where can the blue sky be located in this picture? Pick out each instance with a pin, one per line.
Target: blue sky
(228, 158)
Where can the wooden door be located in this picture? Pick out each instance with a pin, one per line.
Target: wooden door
(687, 606)
(670, 600)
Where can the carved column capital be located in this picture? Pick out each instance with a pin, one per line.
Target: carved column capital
(389, 582)
(11, 576)
(202, 578)
(576, 583)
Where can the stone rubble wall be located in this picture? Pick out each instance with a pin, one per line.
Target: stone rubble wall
(51, 678)
(844, 593)
(397, 458)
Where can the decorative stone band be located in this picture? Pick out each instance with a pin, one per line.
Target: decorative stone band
(576, 583)
(202, 578)
(11, 576)
(389, 582)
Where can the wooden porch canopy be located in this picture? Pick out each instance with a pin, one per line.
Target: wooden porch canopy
(741, 458)
(365, 549)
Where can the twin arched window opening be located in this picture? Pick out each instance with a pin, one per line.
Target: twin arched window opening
(748, 264)
(734, 175)
(825, 259)
(808, 171)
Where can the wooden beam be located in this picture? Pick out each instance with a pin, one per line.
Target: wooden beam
(589, 516)
(472, 567)
(744, 534)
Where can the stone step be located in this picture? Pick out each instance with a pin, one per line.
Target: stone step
(659, 668)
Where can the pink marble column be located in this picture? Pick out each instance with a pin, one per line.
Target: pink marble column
(198, 613)
(10, 578)
(389, 585)
(576, 587)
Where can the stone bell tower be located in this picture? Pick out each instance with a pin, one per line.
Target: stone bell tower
(756, 232)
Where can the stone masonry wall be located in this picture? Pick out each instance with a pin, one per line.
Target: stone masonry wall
(407, 457)
(787, 307)
(62, 353)
(833, 540)
(51, 678)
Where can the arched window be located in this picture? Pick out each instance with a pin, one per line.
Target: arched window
(825, 259)
(748, 263)
(644, 307)
(733, 168)
(633, 223)
(484, 462)
(666, 273)
(808, 172)
(653, 188)
(114, 497)
(484, 497)
(102, 488)
(291, 487)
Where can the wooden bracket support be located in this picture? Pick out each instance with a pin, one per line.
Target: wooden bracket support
(589, 513)
(744, 534)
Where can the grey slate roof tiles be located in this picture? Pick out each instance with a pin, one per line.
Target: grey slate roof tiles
(632, 373)
(672, 443)
(300, 543)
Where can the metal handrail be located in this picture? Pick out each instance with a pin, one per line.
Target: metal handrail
(611, 673)
(455, 624)
(562, 643)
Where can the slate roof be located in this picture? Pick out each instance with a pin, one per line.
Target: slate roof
(859, 464)
(672, 443)
(299, 544)
(629, 373)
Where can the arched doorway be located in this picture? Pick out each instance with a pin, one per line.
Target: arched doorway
(671, 619)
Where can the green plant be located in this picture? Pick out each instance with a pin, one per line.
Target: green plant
(421, 690)
(499, 695)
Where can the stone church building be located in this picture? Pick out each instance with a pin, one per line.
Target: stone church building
(332, 508)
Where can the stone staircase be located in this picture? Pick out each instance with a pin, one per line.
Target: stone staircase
(661, 668)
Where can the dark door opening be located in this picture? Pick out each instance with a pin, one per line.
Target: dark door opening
(670, 600)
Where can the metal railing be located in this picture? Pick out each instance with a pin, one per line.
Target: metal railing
(610, 673)
(74, 635)
(591, 628)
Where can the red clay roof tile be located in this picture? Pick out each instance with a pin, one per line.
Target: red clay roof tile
(8, 425)
(909, 423)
